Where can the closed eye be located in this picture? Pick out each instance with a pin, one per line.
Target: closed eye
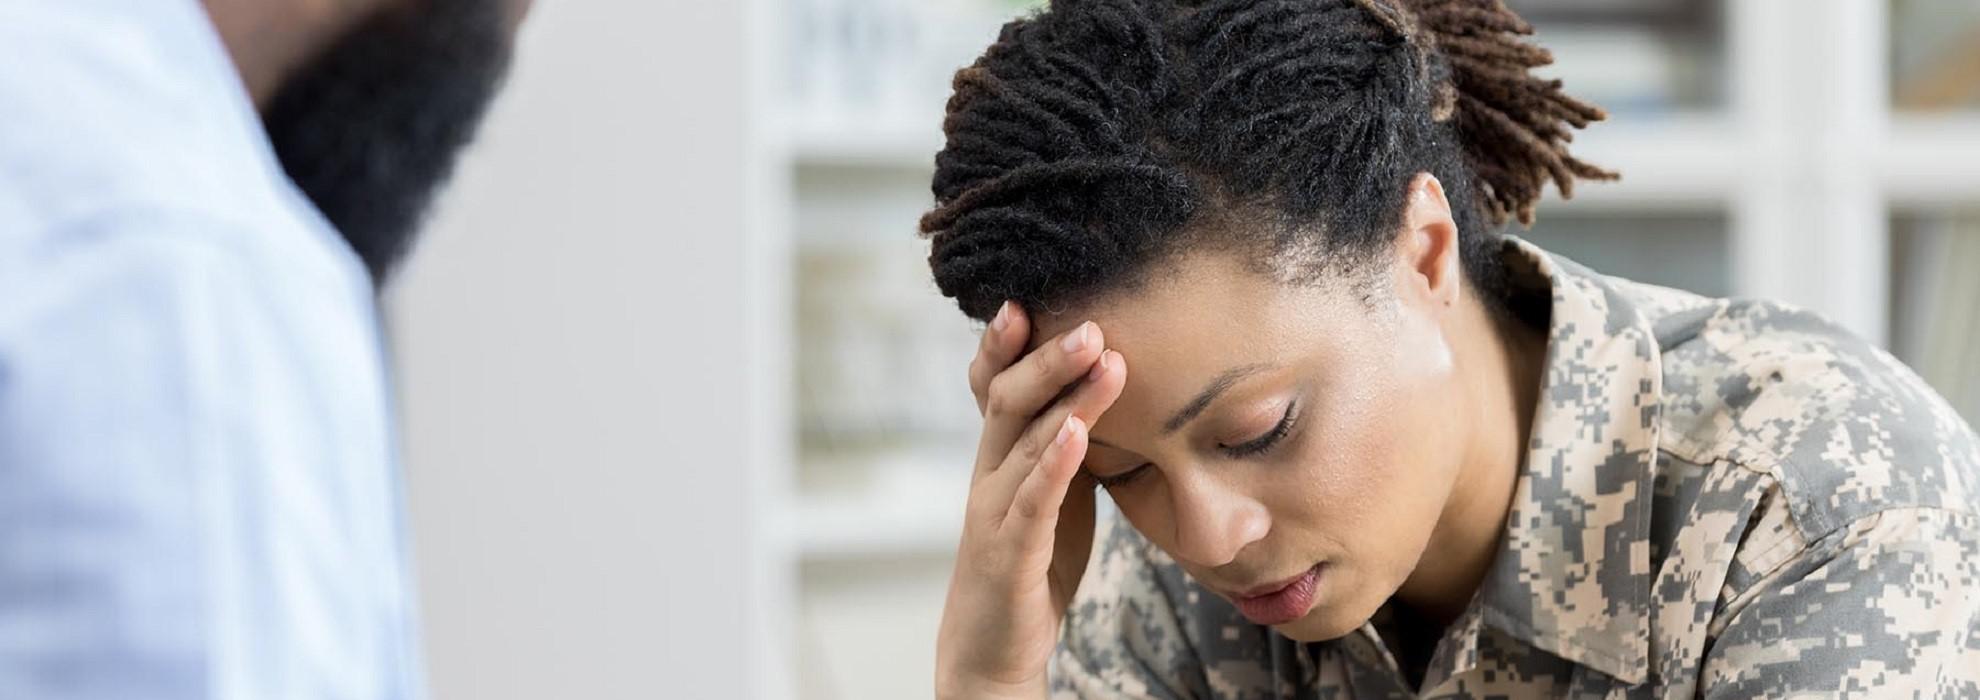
(1271, 438)
(1123, 478)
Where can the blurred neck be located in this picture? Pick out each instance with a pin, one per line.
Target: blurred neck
(269, 40)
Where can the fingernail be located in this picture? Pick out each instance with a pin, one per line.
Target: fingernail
(1003, 319)
(1065, 432)
(1077, 339)
(1099, 367)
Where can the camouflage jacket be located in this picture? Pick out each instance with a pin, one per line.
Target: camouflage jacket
(1721, 499)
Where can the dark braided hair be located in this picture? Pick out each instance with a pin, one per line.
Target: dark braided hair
(1096, 137)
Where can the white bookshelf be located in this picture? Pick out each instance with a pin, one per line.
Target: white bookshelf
(1683, 161)
(1930, 160)
(910, 508)
(1791, 175)
(904, 145)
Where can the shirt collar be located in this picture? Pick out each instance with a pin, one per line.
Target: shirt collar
(1572, 576)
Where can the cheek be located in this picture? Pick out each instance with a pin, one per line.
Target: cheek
(1375, 473)
(1421, 352)
(1347, 466)
(1417, 430)
(1146, 507)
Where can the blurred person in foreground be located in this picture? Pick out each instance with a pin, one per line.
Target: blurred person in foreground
(198, 491)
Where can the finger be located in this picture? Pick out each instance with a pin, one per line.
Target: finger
(1018, 393)
(1100, 389)
(1034, 514)
(1095, 394)
(1002, 343)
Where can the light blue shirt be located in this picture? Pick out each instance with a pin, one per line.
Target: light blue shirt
(198, 491)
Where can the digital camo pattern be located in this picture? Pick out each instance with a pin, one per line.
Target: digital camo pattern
(1722, 499)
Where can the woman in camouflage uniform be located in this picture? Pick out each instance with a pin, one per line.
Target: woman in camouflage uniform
(1369, 446)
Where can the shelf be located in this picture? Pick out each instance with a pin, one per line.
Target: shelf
(891, 144)
(1678, 14)
(909, 505)
(1682, 162)
(1931, 160)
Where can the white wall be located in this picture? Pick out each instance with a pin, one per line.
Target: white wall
(575, 365)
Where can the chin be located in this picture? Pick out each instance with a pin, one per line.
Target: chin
(1322, 624)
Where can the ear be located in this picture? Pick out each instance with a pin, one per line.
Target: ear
(1427, 260)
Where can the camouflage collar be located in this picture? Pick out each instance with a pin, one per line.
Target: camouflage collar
(1573, 574)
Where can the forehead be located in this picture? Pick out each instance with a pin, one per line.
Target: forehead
(1202, 315)
(1197, 299)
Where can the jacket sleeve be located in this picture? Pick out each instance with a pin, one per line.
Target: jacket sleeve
(1887, 605)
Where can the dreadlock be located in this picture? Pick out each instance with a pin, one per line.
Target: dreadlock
(1096, 136)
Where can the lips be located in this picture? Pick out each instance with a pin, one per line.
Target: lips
(1282, 601)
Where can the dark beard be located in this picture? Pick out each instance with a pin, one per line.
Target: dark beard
(371, 128)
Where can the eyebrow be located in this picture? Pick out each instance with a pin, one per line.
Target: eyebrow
(1217, 386)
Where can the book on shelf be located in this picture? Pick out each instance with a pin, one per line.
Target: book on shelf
(1935, 54)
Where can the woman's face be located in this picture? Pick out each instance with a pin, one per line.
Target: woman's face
(1291, 446)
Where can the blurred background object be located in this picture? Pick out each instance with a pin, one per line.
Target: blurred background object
(1930, 180)
(674, 323)
(590, 343)
(1935, 55)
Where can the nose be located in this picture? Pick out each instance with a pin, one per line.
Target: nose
(1214, 522)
